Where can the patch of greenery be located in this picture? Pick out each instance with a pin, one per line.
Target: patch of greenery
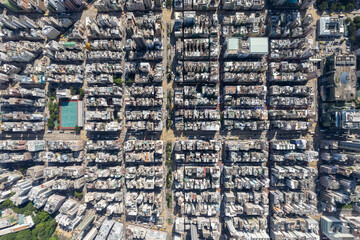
(77, 129)
(52, 93)
(169, 199)
(118, 81)
(168, 3)
(357, 103)
(81, 93)
(168, 28)
(168, 121)
(130, 79)
(168, 148)
(170, 110)
(44, 228)
(353, 26)
(169, 179)
(169, 99)
(168, 155)
(78, 195)
(73, 91)
(26, 210)
(169, 164)
(54, 114)
(336, 6)
(345, 206)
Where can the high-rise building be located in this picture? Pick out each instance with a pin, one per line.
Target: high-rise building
(8, 22)
(69, 5)
(3, 78)
(148, 4)
(135, 5)
(23, 56)
(50, 32)
(140, 41)
(28, 22)
(278, 2)
(56, 6)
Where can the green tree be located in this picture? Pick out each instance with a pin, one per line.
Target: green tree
(41, 230)
(22, 235)
(52, 92)
(50, 124)
(28, 209)
(352, 30)
(333, 6)
(169, 199)
(41, 216)
(54, 114)
(10, 236)
(169, 97)
(44, 229)
(168, 154)
(323, 6)
(6, 204)
(221, 117)
(73, 91)
(168, 179)
(340, 7)
(356, 19)
(129, 81)
(44, 224)
(118, 81)
(78, 195)
(350, 7)
(77, 129)
(168, 3)
(81, 93)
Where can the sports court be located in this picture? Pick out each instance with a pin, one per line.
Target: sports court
(68, 114)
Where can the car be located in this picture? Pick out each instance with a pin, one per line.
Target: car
(49, 131)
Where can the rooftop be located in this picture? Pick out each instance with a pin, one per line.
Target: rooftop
(259, 45)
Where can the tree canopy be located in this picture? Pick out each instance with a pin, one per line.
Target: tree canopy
(44, 228)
